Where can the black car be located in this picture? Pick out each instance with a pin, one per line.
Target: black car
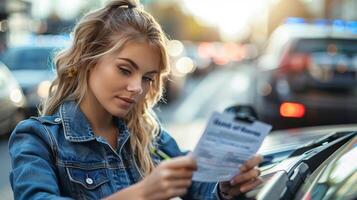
(307, 76)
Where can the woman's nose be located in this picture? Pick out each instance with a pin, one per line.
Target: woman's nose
(135, 86)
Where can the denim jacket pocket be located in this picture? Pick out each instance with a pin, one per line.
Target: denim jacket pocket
(89, 179)
(89, 183)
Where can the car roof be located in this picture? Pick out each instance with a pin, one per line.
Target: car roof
(312, 31)
(288, 32)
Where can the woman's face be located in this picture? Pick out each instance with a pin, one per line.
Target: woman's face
(120, 80)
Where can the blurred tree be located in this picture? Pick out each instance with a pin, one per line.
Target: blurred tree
(56, 25)
(3, 17)
(3, 11)
(340, 9)
(286, 8)
(179, 25)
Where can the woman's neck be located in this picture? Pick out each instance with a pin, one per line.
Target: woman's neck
(98, 117)
(100, 120)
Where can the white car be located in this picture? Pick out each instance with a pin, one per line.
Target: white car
(12, 101)
(32, 66)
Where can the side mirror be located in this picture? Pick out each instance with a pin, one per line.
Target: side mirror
(243, 112)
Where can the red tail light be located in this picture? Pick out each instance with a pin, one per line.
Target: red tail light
(295, 62)
(294, 110)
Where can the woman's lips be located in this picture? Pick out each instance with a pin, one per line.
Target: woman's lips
(125, 102)
(128, 100)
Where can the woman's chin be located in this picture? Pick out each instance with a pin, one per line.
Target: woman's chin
(119, 112)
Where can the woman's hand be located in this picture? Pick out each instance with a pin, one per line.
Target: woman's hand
(169, 179)
(247, 179)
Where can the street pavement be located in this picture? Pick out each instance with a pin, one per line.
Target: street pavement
(5, 189)
(186, 118)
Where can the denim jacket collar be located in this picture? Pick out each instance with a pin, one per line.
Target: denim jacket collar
(77, 128)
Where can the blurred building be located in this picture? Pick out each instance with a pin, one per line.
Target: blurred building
(343, 9)
(178, 24)
(3, 24)
(55, 25)
(13, 15)
(287, 8)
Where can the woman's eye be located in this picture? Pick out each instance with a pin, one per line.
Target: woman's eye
(148, 79)
(125, 71)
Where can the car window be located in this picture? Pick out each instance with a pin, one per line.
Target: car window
(28, 58)
(341, 46)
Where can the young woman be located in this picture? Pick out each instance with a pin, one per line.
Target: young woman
(97, 135)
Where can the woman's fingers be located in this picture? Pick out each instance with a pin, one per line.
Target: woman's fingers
(245, 176)
(246, 180)
(182, 183)
(234, 191)
(181, 162)
(172, 174)
(251, 185)
(224, 186)
(168, 194)
(254, 161)
(174, 192)
(174, 188)
(171, 178)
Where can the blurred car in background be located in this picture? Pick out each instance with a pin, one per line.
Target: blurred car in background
(307, 75)
(32, 65)
(12, 101)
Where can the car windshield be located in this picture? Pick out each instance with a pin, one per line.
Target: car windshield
(28, 58)
(338, 179)
(341, 46)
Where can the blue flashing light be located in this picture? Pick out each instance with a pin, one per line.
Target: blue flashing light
(351, 26)
(321, 22)
(338, 25)
(294, 20)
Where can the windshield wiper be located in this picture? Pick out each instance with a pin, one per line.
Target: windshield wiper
(321, 141)
(271, 158)
(306, 162)
(314, 155)
(295, 180)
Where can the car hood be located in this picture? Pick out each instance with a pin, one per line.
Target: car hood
(30, 78)
(188, 134)
(293, 138)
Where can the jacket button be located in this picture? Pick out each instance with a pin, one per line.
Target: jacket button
(57, 119)
(89, 181)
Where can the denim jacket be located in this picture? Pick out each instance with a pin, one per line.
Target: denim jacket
(59, 156)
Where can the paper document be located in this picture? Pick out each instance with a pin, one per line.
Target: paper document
(225, 145)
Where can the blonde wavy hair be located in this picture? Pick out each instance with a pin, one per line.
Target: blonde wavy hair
(101, 32)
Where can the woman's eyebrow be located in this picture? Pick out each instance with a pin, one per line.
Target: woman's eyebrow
(132, 63)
